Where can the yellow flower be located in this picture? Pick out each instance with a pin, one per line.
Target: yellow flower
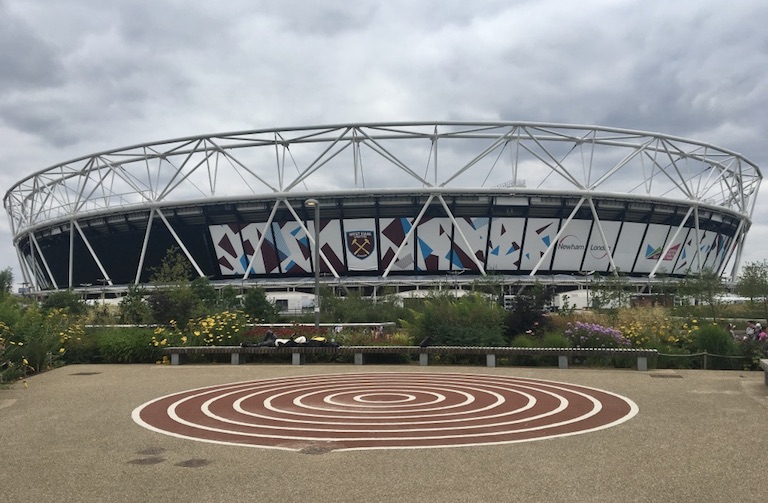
(61, 350)
(197, 333)
(184, 339)
(25, 361)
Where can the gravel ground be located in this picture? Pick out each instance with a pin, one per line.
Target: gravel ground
(68, 437)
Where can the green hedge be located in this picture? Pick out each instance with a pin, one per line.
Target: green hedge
(113, 345)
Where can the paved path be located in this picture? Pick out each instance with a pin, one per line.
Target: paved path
(699, 436)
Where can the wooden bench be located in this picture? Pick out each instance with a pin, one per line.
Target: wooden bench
(298, 354)
(764, 366)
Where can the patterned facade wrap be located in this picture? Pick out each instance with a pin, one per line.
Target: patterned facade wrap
(396, 200)
(498, 244)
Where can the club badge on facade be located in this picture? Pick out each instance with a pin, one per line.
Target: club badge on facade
(360, 243)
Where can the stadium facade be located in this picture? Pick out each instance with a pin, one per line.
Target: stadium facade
(399, 203)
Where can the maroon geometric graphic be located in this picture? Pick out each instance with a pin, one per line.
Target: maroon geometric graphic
(335, 261)
(395, 232)
(226, 245)
(225, 263)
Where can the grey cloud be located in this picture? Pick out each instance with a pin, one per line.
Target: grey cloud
(86, 75)
(26, 60)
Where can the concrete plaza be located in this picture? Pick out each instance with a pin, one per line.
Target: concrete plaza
(699, 436)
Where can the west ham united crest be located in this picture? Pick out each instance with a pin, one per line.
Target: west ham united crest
(360, 243)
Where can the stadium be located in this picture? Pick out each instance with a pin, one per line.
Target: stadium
(403, 205)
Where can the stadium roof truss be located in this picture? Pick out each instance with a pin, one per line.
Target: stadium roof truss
(281, 167)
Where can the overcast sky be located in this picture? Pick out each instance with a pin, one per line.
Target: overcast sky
(80, 76)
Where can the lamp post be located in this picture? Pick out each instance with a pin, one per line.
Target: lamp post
(85, 290)
(314, 203)
(103, 282)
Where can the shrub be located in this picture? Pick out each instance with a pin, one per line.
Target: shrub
(526, 314)
(366, 338)
(228, 328)
(127, 345)
(10, 309)
(713, 339)
(258, 307)
(176, 303)
(44, 336)
(554, 340)
(133, 307)
(400, 338)
(355, 308)
(83, 349)
(64, 300)
(12, 364)
(470, 320)
(592, 335)
(523, 341)
(752, 351)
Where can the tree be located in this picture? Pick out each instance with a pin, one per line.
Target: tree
(205, 294)
(66, 300)
(258, 307)
(173, 298)
(753, 283)
(6, 281)
(705, 288)
(173, 304)
(491, 284)
(663, 291)
(174, 268)
(610, 292)
(133, 308)
(229, 299)
(526, 313)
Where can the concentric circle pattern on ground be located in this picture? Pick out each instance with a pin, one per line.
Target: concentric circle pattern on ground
(384, 410)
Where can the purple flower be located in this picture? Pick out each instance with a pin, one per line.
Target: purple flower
(595, 335)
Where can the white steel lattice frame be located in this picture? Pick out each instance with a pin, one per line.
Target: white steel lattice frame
(276, 165)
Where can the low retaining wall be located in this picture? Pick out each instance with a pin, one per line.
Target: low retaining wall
(298, 354)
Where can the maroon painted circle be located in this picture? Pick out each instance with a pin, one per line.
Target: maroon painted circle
(384, 410)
